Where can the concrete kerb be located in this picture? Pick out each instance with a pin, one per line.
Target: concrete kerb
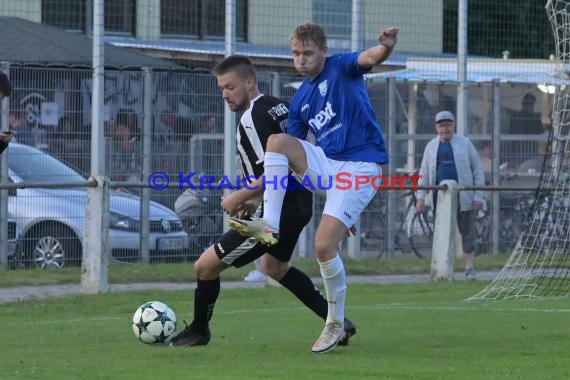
(21, 293)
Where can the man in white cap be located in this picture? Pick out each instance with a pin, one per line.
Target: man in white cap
(452, 157)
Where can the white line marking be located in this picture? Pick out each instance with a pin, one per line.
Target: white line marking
(393, 306)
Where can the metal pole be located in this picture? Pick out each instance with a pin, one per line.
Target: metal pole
(4, 194)
(94, 276)
(97, 102)
(353, 242)
(495, 197)
(229, 116)
(412, 125)
(146, 162)
(276, 84)
(391, 212)
(357, 40)
(462, 90)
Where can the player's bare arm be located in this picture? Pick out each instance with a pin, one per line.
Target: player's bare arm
(388, 38)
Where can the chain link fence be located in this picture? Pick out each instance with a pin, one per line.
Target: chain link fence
(50, 108)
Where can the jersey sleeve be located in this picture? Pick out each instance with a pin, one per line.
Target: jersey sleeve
(295, 126)
(350, 63)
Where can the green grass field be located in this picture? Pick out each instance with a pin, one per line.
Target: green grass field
(184, 272)
(422, 331)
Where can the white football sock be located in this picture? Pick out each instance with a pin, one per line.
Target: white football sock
(334, 280)
(276, 167)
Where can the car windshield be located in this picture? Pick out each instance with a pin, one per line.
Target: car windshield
(33, 165)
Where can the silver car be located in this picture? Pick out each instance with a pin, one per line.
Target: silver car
(52, 221)
(14, 234)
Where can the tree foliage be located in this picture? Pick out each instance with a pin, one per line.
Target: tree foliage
(520, 27)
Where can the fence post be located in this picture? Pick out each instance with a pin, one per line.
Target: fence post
(4, 125)
(95, 255)
(392, 196)
(147, 74)
(444, 246)
(496, 180)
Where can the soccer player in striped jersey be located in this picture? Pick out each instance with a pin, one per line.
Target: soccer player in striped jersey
(263, 116)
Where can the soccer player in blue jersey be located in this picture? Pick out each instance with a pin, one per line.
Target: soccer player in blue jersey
(333, 104)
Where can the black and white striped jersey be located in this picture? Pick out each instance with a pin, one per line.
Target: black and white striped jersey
(266, 115)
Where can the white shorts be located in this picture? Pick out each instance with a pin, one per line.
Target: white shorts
(347, 184)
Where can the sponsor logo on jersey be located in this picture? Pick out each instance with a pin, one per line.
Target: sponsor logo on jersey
(221, 248)
(277, 111)
(304, 107)
(323, 117)
(323, 86)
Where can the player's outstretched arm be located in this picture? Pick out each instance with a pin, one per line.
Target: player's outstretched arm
(388, 38)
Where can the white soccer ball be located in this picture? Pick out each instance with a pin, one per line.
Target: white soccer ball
(154, 322)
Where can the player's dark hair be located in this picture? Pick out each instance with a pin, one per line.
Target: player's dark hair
(5, 86)
(310, 32)
(237, 63)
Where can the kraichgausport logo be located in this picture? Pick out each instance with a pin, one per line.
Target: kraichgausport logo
(340, 181)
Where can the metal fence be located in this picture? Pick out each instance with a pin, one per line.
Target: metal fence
(50, 110)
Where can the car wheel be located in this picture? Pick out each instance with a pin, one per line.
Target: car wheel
(52, 247)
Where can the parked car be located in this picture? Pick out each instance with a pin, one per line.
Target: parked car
(14, 234)
(52, 221)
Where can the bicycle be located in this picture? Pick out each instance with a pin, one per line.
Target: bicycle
(374, 222)
(420, 228)
(413, 232)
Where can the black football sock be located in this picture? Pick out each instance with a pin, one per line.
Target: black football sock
(305, 290)
(205, 297)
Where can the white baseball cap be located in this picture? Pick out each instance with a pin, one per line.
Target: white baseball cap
(444, 116)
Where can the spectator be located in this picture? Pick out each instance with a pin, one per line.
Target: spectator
(210, 148)
(5, 91)
(524, 122)
(451, 157)
(67, 143)
(19, 126)
(210, 124)
(125, 137)
(484, 150)
(164, 153)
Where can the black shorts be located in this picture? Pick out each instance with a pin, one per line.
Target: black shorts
(466, 224)
(235, 250)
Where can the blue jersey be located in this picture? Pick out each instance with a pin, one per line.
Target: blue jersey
(336, 108)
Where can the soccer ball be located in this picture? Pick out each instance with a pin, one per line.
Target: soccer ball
(154, 322)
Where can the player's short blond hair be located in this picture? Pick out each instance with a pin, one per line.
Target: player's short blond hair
(310, 32)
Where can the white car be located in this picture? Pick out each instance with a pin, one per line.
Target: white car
(52, 221)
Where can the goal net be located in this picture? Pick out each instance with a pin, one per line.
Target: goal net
(539, 265)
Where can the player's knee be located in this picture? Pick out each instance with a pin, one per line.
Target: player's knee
(324, 250)
(276, 142)
(203, 270)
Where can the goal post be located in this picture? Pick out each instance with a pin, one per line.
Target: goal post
(539, 265)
